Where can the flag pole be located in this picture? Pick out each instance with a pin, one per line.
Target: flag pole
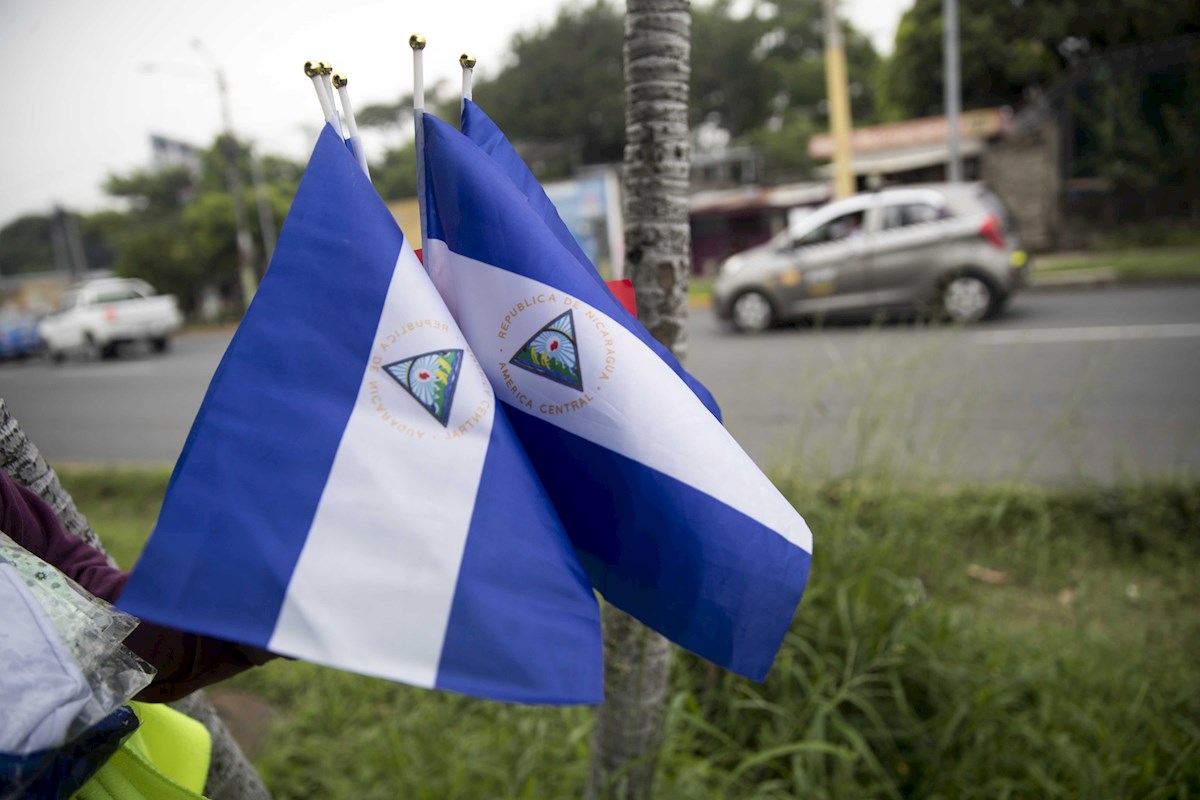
(313, 70)
(467, 62)
(417, 43)
(340, 82)
(327, 83)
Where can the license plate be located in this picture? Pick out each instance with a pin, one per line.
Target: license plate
(1019, 257)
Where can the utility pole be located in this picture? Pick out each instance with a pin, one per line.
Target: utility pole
(953, 91)
(266, 217)
(66, 245)
(839, 102)
(245, 242)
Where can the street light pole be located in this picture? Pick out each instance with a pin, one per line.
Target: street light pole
(953, 91)
(247, 276)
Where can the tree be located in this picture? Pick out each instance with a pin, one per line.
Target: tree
(179, 233)
(395, 175)
(564, 83)
(760, 66)
(1010, 46)
(628, 730)
(37, 242)
(25, 245)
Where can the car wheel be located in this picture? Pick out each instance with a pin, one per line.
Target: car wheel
(967, 298)
(752, 313)
(160, 344)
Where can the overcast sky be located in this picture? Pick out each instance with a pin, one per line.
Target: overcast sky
(83, 104)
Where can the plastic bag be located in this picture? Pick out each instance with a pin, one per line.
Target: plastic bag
(63, 668)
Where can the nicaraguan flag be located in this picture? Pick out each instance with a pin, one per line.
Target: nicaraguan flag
(672, 520)
(352, 494)
(479, 128)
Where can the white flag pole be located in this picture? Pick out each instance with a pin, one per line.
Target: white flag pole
(327, 82)
(467, 62)
(417, 43)
(340, 82)
(313, 70)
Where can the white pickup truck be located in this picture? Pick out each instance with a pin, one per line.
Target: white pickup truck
(99, 316)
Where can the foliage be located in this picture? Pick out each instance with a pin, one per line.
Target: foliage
(1130, 126)
(757, 71)
(785, 148)
(179, 233)
(396, 175)
(25, 245)
(564, 82)
(1133, 265)
(1010, 47)
(761, 65)
(953, 642)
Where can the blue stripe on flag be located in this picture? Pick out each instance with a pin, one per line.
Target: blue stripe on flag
(304, 379)
(480, 129)
(679, 571)
(493, 631)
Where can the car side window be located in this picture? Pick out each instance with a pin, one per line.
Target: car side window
(836, 229)
(903, 215)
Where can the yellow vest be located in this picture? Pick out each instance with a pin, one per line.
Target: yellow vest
(166, 758)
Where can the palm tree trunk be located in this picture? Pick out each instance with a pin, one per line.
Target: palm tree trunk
(230, 775)
(628, 734)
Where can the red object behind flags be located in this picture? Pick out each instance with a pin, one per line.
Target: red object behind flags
(623, 291)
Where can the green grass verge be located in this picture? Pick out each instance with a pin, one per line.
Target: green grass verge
(953, 642)
(1130, 266)
(699, 287)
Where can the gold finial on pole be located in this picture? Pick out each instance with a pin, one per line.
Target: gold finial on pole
(340, 80)
(467, 61)
(312, 68)
(326, 67)
(416, 41)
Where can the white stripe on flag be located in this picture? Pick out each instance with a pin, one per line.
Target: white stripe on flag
(377, 579)
(635, 404)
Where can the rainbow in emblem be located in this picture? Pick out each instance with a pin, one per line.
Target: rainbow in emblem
(552, 352)
(430, 378)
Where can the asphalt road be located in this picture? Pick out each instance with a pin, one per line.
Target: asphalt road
(1080, 385)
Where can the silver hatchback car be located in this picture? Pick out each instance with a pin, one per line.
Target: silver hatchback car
(951, 250)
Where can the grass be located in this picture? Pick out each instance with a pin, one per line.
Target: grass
(953, 642)
(1129, 265)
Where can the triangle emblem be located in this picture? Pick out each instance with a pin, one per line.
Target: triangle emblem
(552, 352)
(431, 379)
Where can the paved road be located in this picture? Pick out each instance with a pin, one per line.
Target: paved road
(1069, 385)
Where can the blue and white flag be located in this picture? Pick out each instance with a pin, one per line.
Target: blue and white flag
(673, 522)
(479, 128)
(352, 494)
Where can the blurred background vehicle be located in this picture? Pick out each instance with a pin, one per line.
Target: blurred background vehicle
(952, 250)
(18, 335)
(99, 316)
